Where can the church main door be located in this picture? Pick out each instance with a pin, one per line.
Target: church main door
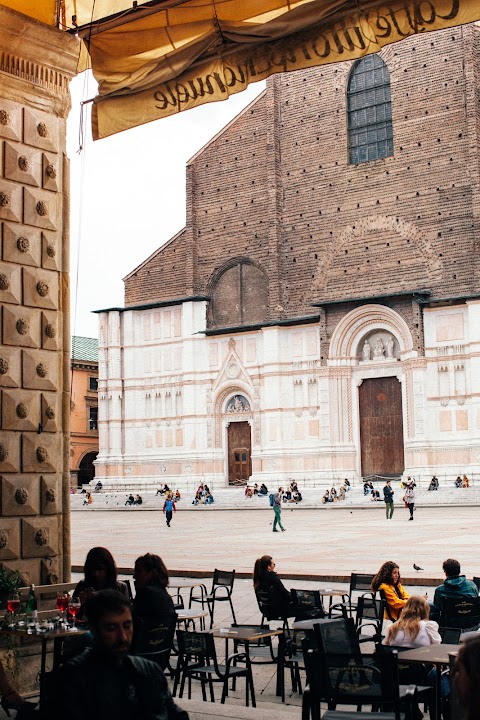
(381, 426)
(239, 453)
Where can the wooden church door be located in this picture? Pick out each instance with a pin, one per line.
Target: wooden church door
(381, 427)
(239, 453)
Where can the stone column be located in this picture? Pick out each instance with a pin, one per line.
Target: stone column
(36, 64)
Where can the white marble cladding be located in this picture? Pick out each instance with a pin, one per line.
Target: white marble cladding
(164, 388)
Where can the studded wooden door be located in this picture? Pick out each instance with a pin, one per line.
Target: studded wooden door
(381, 427)
(239, 453)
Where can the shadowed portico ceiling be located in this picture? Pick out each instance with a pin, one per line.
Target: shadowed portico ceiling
(154, 59)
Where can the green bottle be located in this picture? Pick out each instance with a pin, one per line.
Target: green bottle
(31, 606)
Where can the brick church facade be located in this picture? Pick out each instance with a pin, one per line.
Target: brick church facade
(319, 315)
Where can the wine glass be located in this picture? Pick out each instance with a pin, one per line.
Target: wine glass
(62, 604)
(73, 608)
(13, 603)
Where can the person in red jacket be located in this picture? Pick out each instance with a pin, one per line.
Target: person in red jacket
(169, 508)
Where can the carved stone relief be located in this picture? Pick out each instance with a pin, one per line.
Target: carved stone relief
(40, 130)
(50, 494)
(40, 536)
(21, 326)
(39, 452)
(40, 370)
(10, 452)
(40, 288)
(50, 251)
(20, 495)
(10, 201)
(10, 284)
(20, 410)
(40, 209)
(50, 173)
(10, 120)
(9, 540)
(49, 412)
(49, 331)
(10, 367)
(22, 164)
(21, 244)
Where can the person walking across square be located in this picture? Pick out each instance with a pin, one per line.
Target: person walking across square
(388, 497)
(277, 509)
(169, 508)
(409, 498)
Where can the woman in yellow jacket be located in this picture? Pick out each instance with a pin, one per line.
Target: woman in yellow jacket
(387, 581)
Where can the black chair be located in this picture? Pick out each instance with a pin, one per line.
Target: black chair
(370, 613)
(222, 586)
(290, 657)
(450, 636)
(266, 607)
(359, 583)
(155, 643)
(197, 660)
(307, 604)
(371, 680)
(337, 635)
(463, 614)
(476, 580)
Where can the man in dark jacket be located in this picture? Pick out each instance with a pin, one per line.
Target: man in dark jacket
(454, 586)
(388, 497)
(105, 682)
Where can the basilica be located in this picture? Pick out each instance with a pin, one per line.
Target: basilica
(318, 317)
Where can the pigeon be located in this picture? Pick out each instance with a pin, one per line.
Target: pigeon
(416, 567)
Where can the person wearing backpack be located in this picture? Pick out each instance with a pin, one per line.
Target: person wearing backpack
(277, 509)
(169, 508)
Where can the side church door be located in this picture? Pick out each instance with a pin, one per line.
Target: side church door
(239, 453)
(381, 427)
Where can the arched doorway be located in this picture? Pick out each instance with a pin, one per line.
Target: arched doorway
(86, 469)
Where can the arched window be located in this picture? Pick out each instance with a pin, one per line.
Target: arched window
(370, 131)
(240, 296)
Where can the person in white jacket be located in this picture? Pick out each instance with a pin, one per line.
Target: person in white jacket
(413, 628)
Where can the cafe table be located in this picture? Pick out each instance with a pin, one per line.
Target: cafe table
(436, 655)
(247, 636)
(331, 593)
(43, 633)
(188, 584)
(188, 615)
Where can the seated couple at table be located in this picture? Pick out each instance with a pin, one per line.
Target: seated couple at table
(272, 593)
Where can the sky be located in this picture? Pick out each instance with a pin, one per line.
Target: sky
(128, 195)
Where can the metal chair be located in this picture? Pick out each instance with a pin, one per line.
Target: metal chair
(463, 614)
(197, 660)
(359, 583)
(307, 604)
(266, 607)
(371, 680)
(290, 657)
(370, 612)
(222, 586)
(156, 642)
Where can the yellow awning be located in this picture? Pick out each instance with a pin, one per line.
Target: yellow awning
(166, 56)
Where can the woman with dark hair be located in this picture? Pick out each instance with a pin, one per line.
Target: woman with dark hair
(387, 582)
(266, 583)
(466, 677)
(153, 609)
(100, 573)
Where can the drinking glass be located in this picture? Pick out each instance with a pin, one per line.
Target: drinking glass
(62, 604)
(13, 603)
(73, 607)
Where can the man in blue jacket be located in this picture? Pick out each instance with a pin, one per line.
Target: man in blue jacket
(454, 586)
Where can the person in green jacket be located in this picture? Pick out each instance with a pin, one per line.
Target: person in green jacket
(455, 586)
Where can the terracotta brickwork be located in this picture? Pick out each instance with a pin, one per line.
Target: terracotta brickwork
(275, 187)
(34, 102)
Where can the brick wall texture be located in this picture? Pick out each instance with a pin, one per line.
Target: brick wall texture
(275, 191)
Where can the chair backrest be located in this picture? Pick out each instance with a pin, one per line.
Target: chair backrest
(369, 679)
(464, 613)
(476, 580)
(267, 605)
(307, 604)
(387, 606)
(360, 582)
(198, 645)
(337, 635)
(450, 636)
(155, 642)
(370, 612)
(225, 578)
